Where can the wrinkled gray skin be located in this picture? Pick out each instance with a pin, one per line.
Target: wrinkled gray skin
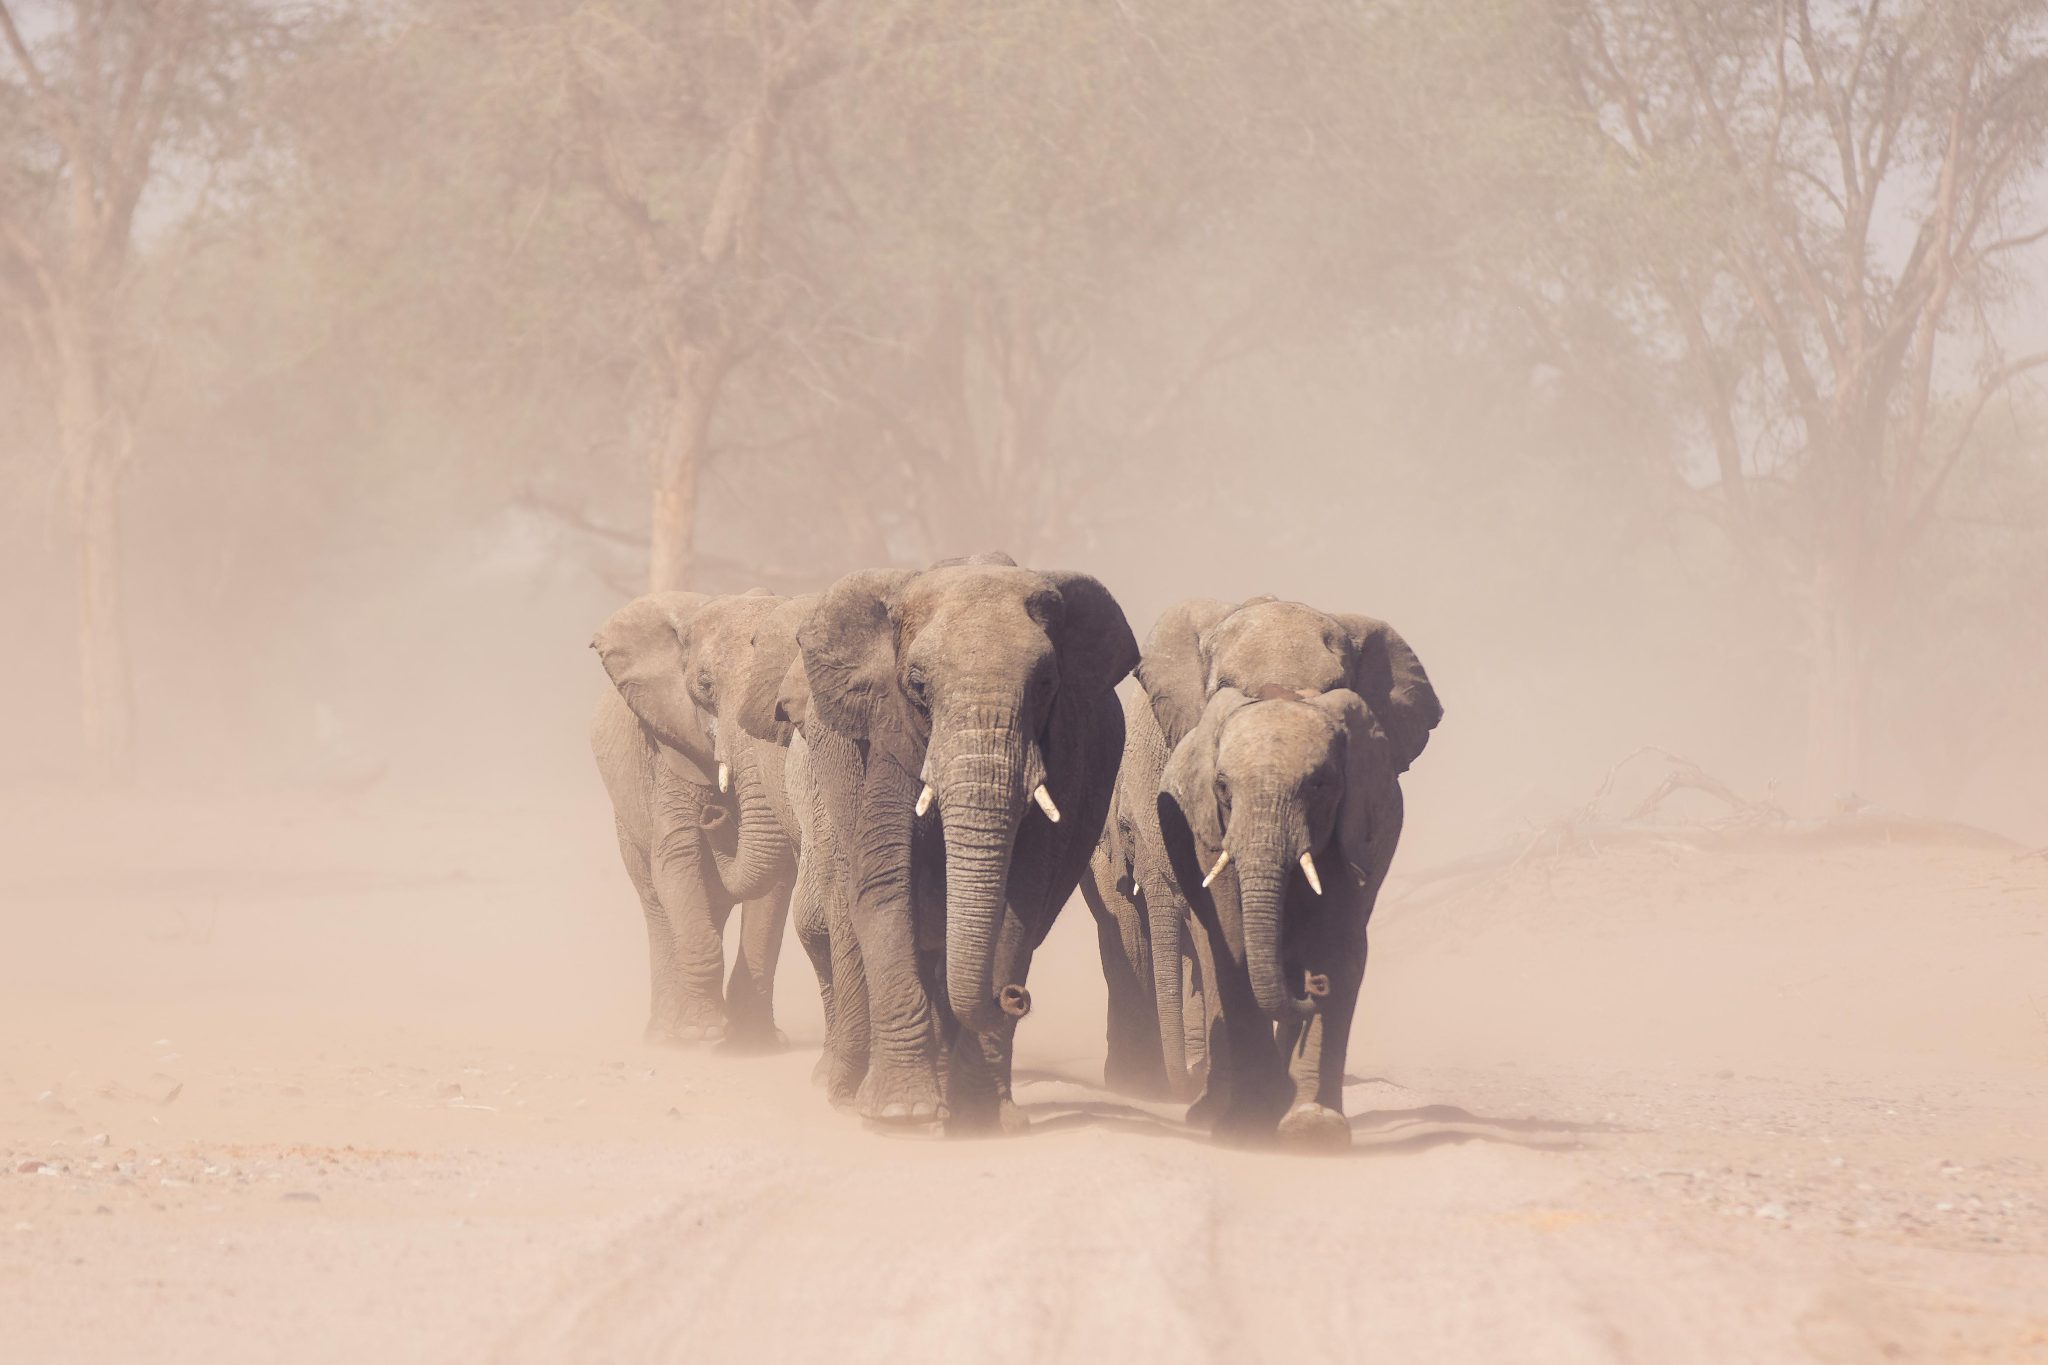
(677, 661)
(987, 681)
(1198, 649)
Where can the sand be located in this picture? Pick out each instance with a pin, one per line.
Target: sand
(294, 1078)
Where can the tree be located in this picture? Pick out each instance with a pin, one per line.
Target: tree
(108, 107)
(1812, 215)
(642, 142)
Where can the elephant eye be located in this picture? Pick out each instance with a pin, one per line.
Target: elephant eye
(1223, 796)
(919, 690)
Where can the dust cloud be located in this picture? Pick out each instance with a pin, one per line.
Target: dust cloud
(1706, 1016)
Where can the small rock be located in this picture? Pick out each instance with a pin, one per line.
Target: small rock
(102, 1209)
(299, 1197)
(30, 1167)
(24, 1227)
(451, 1091)
(96, 1140)
(1775, 1212)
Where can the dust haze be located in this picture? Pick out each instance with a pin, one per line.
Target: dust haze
(357, 361)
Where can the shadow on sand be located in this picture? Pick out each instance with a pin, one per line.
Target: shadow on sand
(1375, 1132)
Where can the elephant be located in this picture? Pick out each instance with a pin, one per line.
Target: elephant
(1280, 815)
(775, 709)
(1198, 648)
(964, 729)
(700, 808)
(1129, 890)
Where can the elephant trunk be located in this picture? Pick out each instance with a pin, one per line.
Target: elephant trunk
(762, 853)
(1262, 889)
(982, 777)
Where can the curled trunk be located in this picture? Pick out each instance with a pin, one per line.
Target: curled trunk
(761, 852)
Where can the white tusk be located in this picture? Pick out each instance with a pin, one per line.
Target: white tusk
(724, 778)
(1221, 863)
(1308, 870)
(924, 799)
(1044, 800)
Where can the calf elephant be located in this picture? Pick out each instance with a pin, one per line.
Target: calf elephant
(700, 810)
(965, 731)
(1199, 649)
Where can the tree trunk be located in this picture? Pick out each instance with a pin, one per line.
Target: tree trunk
(677, 463)
(87, 432)
(108, 712)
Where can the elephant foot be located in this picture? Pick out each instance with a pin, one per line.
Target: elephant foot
(903, 1099)
(753, 1042)
(821, 1071)
(1314, 1128)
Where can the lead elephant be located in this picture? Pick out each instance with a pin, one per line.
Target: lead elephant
(1199, 648)
(966, 736)
(696, 800)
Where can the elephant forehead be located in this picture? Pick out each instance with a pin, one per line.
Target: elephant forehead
(972, 599)
(1278, 644)
(1292, 737)
(725, 628)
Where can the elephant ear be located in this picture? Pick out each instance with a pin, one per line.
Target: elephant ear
(1369, 820)
(996, 557)
(774, 655)
(1391, 680)
(1189, 781)
(642, 649)
(849, 650)
(1175, 668)
(1097, 648)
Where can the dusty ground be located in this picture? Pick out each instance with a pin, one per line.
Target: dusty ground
(328, 1081)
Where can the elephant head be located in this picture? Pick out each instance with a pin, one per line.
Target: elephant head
(775, 696)
(1202, 646)
(1283, 799)
(955, 676)
(683, 661)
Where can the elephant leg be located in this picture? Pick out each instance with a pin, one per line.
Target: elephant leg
(1248, 1087)
(696, 919)
(1133, 1064)
(902, 1082)
(1316, 1057)
(1194, 996)
(661, 967)
(848, 1042)
(750, 993)
(814, 932)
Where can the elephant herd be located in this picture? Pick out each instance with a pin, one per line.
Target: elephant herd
(926, 764)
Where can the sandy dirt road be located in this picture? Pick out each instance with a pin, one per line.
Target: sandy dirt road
(357, 1093)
